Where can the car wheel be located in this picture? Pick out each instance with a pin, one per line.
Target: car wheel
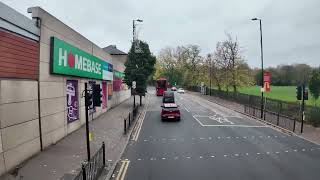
(178, 119)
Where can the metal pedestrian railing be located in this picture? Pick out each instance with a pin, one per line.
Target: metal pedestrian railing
(92, 170)
(274, 118)
(127, 122)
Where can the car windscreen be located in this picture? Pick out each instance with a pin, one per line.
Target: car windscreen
(169, 99)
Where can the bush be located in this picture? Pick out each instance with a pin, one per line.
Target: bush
(314, 117)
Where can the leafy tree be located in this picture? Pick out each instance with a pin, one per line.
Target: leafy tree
(314, 84)
(139, 66)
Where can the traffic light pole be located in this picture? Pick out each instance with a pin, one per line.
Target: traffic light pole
(87, 119)
(302, 108)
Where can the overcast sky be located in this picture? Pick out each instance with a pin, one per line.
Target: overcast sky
(291, 28)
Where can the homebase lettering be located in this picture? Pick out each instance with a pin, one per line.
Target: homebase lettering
(80, 63)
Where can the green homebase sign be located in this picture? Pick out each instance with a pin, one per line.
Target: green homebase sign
(69, 60)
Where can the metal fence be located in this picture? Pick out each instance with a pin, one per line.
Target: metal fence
(127, 122)
(92, 170)
(286, 122)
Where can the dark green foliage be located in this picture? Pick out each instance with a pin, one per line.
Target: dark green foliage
(314, 84)
(139, 67)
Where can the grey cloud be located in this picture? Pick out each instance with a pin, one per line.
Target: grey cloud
(290, 27)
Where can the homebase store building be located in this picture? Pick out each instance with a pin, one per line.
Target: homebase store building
(43, 67)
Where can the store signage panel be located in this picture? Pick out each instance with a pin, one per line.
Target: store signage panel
(69, 60)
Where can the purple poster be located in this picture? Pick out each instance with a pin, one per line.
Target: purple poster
(72, 100)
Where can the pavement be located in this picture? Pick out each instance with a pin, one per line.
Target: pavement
(214, 142)
(63, 160)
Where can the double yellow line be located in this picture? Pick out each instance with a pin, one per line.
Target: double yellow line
(123, 169)
(137, 129)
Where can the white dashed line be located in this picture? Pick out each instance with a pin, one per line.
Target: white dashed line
(268, 152)
(212, 156)
(200, 157)
(277, 152)
(258, 153)
(188, 157)
(139, 159)
(236, 154)
(295, 150)
(286, 151)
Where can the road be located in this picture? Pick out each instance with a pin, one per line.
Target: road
(212, 142)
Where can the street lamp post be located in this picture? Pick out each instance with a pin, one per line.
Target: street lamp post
(133, 46)
(262, 104)
(210, 72)
(134, 29)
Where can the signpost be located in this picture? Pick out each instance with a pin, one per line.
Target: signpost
(266, 81)
(134, 86)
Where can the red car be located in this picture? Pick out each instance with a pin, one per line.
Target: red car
(170, 111)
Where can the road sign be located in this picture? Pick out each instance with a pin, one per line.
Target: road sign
(266, 81)
(134, 84)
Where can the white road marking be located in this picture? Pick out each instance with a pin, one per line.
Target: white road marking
(286, 151)
(212, 156)
(295, 150)
(200, 157)
(268, 152)
(139, 159)
(163, 158)
(303, 150)
(247, 154)
(225, 155)
(258, 153)
(277, 152)
(186, 109)
(188, 157)
(236, 154)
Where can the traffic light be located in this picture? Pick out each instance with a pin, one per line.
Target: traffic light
(305, 94)
(299, 92)
(96, 93)
(88, 99)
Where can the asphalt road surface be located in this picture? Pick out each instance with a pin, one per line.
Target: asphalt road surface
(212, 142)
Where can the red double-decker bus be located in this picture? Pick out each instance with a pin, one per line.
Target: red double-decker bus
(161, 86)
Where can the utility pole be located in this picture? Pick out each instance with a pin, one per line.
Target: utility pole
(261, 50)
(209, 56)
